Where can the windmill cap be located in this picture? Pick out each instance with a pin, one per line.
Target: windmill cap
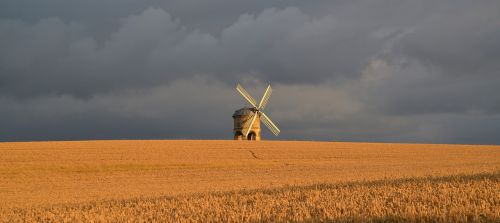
(243, 112)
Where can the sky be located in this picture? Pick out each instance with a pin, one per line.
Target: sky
(368, 71)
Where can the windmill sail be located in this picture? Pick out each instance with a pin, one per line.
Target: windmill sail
(265, 97)
(267, 121)
(250, 124)
(246, 95)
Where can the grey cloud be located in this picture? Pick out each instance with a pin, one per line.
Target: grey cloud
(152, 48)
(201, 108)
(461, 38)
(382, 70)
(182, 109)
(407, 87)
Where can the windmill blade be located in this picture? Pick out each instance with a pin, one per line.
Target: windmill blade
(246, 125)
(249, 124)
(246, 95)
(265, 97)
(267, 121)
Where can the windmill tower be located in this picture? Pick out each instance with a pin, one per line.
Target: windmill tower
(247, 119)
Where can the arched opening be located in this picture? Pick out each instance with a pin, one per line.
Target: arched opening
(238, 135)
(251, 136)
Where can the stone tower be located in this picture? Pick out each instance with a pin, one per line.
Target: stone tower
(240, 116)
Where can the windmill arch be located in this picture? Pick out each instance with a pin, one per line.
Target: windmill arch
(252, 136)
(238, 135)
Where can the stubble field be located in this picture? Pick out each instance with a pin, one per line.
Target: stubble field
(148, 180)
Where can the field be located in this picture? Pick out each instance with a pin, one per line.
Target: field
(247, 181)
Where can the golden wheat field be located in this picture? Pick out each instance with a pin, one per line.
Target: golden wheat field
(234, 181)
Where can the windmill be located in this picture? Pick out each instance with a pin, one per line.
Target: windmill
(247, 120)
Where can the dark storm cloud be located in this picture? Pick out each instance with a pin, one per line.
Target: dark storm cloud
(154, 48)
(174, 111)
(342, 70)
